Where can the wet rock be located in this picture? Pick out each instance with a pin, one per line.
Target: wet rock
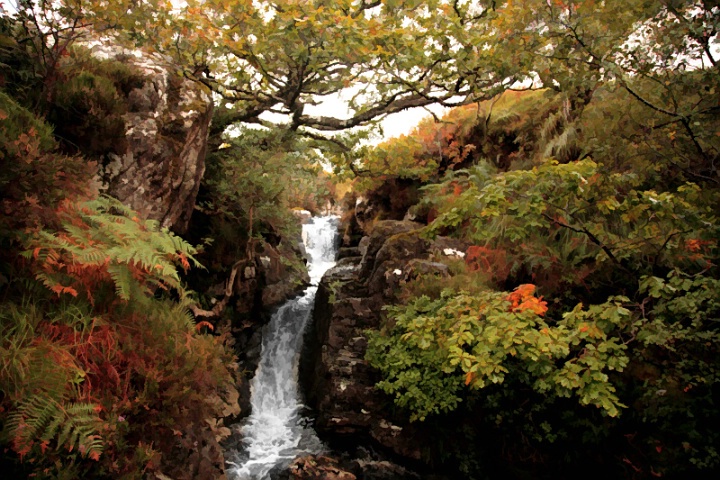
(361, 463)
(363, 245)
(339, 383)
(303, 215)
(317, 467)
(443, 247)
(346, 252)
(391, 260)
(417, 267)
(281, 282)
(194, 452)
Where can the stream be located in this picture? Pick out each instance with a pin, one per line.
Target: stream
(276, 432)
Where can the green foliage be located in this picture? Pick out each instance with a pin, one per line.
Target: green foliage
(677, 357)
(33, 181)
(563, 224)
(102, 240)
(92, 98)
(20, 73)
(16, 121)
(108, 366)
(619, 232)
(39, 381)
(503, 130)
(437, 347)
(252, 184)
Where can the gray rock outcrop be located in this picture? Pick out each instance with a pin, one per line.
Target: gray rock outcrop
(157, 167)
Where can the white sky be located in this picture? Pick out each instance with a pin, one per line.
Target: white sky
(393, 125)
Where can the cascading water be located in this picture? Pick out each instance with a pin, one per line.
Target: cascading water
(275, 432)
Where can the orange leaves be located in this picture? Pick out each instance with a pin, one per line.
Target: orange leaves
(457, 189)
(522, 299)
(693, 245)
(60, 289)
(184, 261)
(204, 323)
(493, 262)
(698, 251)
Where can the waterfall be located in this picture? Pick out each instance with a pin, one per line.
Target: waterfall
(276, 432)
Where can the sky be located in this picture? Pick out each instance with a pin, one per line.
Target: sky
(394, 125)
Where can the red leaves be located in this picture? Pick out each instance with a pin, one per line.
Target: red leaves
(522, 299)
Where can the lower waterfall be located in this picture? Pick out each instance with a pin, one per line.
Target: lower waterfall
(276, 432)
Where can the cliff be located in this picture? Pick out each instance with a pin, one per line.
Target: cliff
(143, 122)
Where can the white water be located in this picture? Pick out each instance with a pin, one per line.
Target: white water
(275, 432)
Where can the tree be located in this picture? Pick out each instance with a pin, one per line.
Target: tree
(33, 42)
(286, 57)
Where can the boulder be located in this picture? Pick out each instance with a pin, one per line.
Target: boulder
(346, 252)
(380, 233)
(281, 282)
(338, 382)
(391, 260)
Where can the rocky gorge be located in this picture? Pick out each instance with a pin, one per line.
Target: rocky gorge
(348, 410)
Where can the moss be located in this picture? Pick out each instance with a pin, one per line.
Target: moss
(88, 107)
(124, 76)
(16, 120)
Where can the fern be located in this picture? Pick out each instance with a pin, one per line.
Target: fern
(103, 240)
(44, 419)
(37, 376)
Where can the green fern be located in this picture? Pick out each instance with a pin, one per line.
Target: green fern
(43, 419)
(39, 387)
(105, 234)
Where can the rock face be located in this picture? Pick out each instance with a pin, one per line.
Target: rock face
(338, 382)
(157, 167)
